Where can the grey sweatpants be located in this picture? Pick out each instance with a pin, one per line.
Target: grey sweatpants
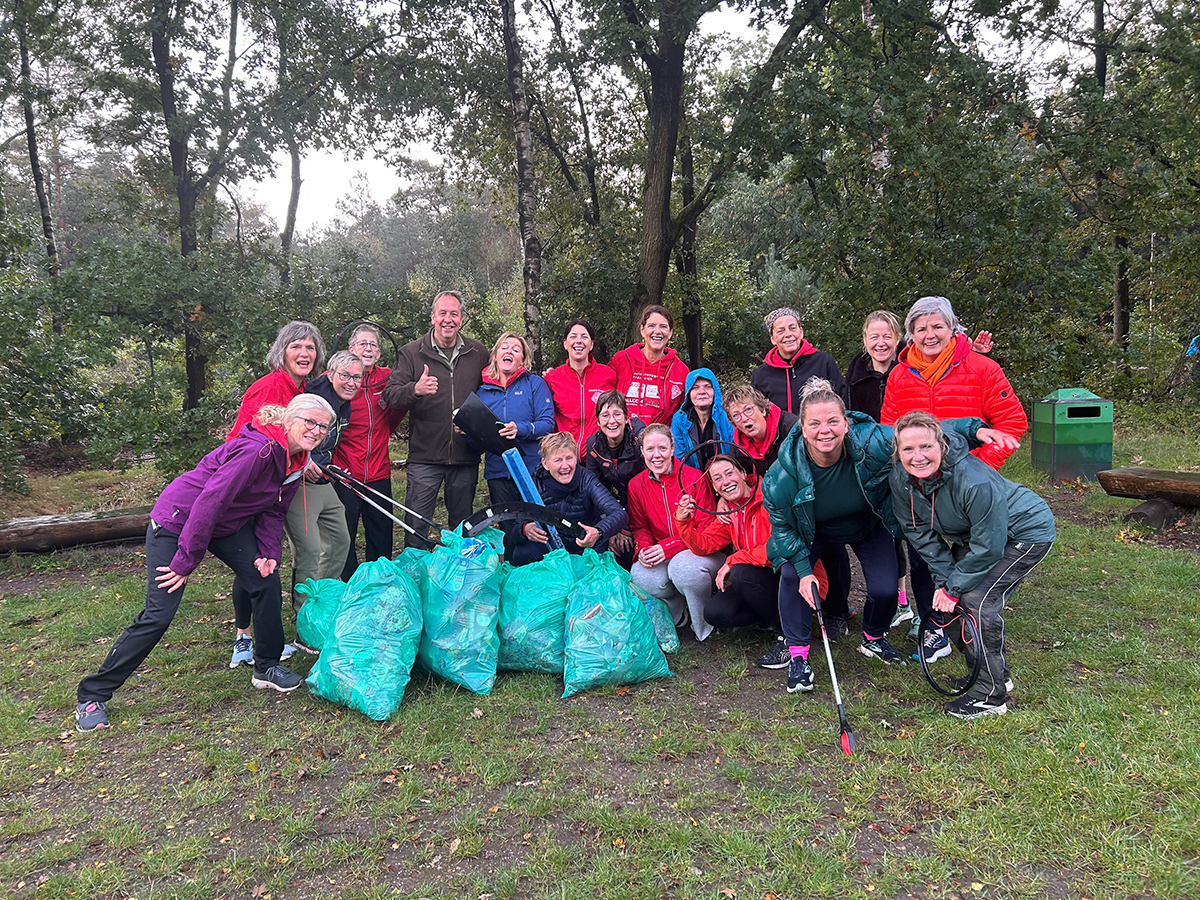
(685, 583)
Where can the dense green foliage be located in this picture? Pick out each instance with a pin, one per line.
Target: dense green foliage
(1045, 180)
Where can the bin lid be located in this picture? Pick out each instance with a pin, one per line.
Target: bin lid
(1066, 394)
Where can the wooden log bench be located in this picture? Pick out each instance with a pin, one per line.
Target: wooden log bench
(39, 534)
(1161, 490)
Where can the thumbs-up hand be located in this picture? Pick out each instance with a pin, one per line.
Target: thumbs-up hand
(426, 385)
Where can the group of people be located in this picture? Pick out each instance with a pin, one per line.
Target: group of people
(733, 506)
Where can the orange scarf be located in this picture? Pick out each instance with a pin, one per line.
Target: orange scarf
(932, 371)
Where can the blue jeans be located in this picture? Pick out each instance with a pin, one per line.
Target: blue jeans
(238, 551)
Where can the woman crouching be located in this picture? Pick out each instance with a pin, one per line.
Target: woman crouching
(233, 505)
(980, 534)
(573, 492)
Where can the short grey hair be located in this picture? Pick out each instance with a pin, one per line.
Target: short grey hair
(462, 304)
(365, 326)
(341, 359)
(290, 333)
(776, 314)
(932, 306)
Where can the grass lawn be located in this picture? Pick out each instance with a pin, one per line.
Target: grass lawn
(715, 783)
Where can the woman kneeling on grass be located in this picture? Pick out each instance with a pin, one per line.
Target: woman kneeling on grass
(830, 487)
(664, 566)
(573, 492)
(980, 534)
(747, 587)
(232, 505)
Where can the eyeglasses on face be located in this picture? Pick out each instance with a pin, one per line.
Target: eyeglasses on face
(310, 425)
(346, 376)
(745, 414)
(369, 345)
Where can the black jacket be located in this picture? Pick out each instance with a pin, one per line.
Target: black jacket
(866, 385)
(585, 500)
(615, 466)
(322, 388)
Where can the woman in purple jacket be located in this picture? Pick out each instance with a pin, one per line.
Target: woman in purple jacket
(232, 505)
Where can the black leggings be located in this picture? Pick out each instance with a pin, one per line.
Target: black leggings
(751, 597)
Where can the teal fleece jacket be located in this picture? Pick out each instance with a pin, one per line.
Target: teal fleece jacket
(970, 504)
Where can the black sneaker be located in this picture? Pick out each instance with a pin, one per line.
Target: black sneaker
(961, 684)
(935, 647)
(800, 675)
(881, 650)
(836, 627)
(91, 716)
(972, 708)
(777, 657)
(277, 678)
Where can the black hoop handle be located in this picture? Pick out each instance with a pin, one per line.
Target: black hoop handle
(717, 443)
(970, 635)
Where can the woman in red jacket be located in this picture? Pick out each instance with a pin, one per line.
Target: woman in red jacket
(577, 383)
(663, 566)
(747, 586)
(650, 374)
(362, 450)
(940, 373)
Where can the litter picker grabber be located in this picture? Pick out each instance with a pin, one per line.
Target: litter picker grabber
(359, 488)
(847, 734)
(529, 492)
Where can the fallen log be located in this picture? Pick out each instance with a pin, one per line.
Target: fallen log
(1141, 483)
(38, 534)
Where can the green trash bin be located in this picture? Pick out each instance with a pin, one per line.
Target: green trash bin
(1072, 434)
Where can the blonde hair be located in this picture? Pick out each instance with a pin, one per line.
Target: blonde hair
(556, 441)
(274, 414)
(745, 393)
(656, 428)
(919, 419)
(493, 370)
(887, 318)
(819, 390)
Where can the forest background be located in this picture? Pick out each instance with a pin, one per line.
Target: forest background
(1036, 161)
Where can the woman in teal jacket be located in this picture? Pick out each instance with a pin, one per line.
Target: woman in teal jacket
(980, 534)
(830, 486)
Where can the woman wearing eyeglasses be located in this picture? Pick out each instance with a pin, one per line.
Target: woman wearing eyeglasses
(362, 450)
(316, 520)
(231, 505)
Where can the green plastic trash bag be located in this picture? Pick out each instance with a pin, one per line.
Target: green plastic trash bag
(533, 614)
(664, 623)
(314, 619)
(460, 608)
(367, 660)
(610, 638)
(414, 562)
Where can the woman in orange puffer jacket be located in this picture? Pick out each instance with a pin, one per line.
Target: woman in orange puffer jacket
(939, 373)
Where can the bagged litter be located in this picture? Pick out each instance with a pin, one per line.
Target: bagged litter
(367, 660)
(610, 639)
(315, 618)
(533, 614)
(460, 609)
(660, 616)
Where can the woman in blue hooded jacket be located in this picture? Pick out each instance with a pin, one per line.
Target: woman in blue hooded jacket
(701, 418)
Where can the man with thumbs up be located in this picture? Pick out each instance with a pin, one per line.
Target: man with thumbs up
(433, 376)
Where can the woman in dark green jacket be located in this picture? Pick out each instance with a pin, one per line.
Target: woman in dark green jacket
(829, 487)
(980, 534)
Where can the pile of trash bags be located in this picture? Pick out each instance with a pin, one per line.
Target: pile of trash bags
(460, 613)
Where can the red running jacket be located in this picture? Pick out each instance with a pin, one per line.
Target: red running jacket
(653, 391)
(973, 386)
(362, 447)
(748, 531)
(575, 397)
(652, 507)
